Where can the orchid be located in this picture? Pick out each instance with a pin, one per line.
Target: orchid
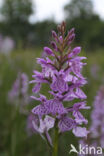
(18, 95)
(62, 71)
(96, 135)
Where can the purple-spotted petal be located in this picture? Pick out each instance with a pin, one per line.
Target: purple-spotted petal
(49, 122)
(55, 107)
(66, 124)
(39, 110)
(59, 85)
(80, 132)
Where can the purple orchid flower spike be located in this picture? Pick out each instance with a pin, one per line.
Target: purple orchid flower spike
(96, 136)
(18, 95)
(61, 71)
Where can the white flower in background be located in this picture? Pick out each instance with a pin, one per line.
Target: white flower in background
(6, 44)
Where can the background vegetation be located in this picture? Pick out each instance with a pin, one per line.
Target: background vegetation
(29, 39)
(78, 13)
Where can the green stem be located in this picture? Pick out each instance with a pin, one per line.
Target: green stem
(55, 146)
(14, 137)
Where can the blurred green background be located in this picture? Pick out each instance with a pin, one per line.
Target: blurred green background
(27, 42)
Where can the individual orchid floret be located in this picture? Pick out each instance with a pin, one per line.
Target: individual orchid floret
(40, 126)
(61, 71)
(44, 125)
(52, 107)
(76, 112)
(58, 84)
(81, 132)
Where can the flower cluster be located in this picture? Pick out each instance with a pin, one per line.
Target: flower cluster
(96, 136)
(97, 126)
(19, 93)
(61, 70)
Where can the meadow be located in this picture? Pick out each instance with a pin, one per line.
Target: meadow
(14, 140)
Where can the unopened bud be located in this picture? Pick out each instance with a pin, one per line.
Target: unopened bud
(54, 34)
(54, 45)
(71, 31)
(48, 51)
(71, 38)
(59, 28)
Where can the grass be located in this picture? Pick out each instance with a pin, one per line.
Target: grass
(14, 140)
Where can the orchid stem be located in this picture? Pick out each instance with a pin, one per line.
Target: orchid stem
(55, 146)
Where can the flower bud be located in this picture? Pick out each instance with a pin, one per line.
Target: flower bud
(54, 45)
(54, 34)
(71, 32)
(75, 51)
(48, 51)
